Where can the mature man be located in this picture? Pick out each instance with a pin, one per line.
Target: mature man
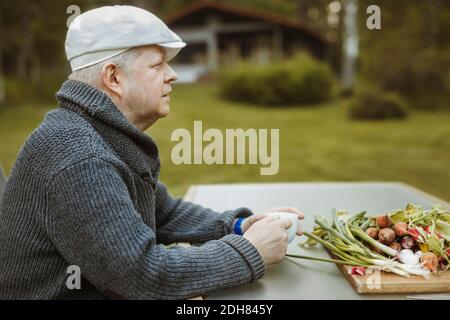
(84, 190)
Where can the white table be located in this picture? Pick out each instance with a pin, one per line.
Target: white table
(302, 279)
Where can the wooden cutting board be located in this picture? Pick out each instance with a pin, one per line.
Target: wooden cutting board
(385, 282)
(374, 282)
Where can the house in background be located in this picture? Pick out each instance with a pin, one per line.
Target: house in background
(220, 34)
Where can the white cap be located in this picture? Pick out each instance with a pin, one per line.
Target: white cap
(105, 32)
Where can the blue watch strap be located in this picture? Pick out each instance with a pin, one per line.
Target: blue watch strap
(237, 226)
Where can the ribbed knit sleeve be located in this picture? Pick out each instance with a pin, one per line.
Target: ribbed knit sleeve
(93, 224)
(182, 221)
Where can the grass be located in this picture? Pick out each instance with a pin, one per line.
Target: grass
(318, 143)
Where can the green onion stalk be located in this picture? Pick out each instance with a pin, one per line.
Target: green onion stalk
(342, 241)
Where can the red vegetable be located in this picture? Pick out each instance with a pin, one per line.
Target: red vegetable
(357, 270)
(372, 232)
(442, 262)
(383, 221)
(401, 228)
(396, 246)
(414, 233)
(408, 242)
(430, 261)
(386, 235)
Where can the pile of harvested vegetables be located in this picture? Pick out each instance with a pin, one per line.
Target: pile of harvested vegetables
(407, 242)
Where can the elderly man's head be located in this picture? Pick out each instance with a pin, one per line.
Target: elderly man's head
(138, 81)
(123, 51)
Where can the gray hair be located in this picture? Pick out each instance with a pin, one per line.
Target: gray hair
(91, 74)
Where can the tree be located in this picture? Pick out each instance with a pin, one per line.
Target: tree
(2, 81)
(350, 46)
(411, 53)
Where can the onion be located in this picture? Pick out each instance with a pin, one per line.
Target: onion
(396, 246)
(408, 242)
(383, 221)
(401, 228)
(408, 257)
(386, 235)
(430, 261)
(372, 232)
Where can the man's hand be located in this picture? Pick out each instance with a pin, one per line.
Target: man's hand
(248, 222)
(269, 237)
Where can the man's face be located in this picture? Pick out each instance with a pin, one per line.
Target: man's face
(148, 84)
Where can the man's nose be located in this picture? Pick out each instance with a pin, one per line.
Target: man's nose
(171, 75)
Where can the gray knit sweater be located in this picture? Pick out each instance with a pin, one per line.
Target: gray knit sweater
(84, 191)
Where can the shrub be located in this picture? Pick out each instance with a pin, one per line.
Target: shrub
(421, 77)
(300, 80)
(376, 105)
(16, 92)
(24, 91)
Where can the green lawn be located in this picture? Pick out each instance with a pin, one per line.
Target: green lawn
(316, 144)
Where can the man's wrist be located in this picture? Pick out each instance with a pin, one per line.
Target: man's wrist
(237, 226)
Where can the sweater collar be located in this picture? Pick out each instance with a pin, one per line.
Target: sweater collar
(126, 140)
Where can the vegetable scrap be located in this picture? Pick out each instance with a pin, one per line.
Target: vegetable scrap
(412, 241)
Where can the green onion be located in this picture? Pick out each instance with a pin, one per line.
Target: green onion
(361, 234)
(349, 263)
(347, 240)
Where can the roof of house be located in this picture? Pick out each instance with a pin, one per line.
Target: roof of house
(244, 12)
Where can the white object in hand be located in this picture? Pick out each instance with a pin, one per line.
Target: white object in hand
(292, 231)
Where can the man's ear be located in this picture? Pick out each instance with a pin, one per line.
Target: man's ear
(112, 79)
